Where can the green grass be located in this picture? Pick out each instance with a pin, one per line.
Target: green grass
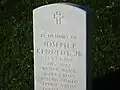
(16, 42)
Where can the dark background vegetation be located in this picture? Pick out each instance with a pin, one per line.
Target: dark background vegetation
(16, 43)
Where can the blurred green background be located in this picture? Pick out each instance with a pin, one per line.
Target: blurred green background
(16, 42)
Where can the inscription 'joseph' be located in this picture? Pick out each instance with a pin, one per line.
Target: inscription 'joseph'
(52, 44)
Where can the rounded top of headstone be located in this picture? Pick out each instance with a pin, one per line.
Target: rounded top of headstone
(62, 5)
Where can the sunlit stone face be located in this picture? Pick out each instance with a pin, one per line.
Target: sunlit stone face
(59, 47)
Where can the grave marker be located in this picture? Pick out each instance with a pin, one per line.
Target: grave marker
(61, 41)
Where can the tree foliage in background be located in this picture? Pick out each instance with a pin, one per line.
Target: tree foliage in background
(16, 42)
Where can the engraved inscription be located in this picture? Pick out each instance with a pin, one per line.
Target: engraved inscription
(58, 71)
(58, 17)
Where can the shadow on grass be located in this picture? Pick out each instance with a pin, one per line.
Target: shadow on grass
(111, 81)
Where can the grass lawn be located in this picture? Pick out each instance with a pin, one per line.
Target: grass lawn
(16, 42)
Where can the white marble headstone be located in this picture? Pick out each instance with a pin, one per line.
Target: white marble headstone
(59, 47)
